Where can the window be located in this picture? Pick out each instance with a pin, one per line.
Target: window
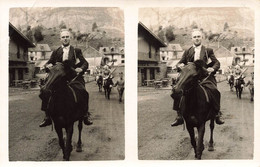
(18, 52)
(122, 61)
(150, 52)
(122, 56)
(43, 55)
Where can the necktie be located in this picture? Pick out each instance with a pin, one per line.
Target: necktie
(65, 53)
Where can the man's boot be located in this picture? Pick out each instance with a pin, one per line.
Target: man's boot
(178, 120)
(46, 121)
(86, 119)
(219, 118)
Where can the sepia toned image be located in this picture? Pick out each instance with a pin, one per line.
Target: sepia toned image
(66, 84)
(196, 83)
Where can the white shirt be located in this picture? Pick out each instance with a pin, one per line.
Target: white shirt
(197, 50)
(65, 52)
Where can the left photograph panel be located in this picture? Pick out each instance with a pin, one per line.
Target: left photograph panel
(66, 84)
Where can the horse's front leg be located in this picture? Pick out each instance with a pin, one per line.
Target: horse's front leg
(211, 142)
(58, 130)
(200, 145)
(108, 93)
(68, 148)
(79, 144)
(192, 138)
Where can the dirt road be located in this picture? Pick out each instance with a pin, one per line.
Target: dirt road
(104, 140)
(157, 140)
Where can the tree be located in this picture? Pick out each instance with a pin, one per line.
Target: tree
(38, 34)
(29, 33)
(194, 25)
(161, 33)
(169, 34)
(62, 25)
(94, 26)
(226, 27)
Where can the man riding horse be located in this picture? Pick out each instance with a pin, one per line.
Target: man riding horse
(239, 74)
(75, 57)
(200, 52)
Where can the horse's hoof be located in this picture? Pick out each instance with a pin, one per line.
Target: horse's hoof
(211, 148)
(79, 149)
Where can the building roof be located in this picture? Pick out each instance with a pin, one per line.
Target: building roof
(91, 52)
(172, 47)
(223, 52)
(17, 35)
(40, 48)
(143, 30)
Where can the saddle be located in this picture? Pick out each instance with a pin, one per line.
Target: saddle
(212, 94)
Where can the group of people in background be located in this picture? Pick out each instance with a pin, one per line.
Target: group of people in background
(106, 73)
(237, 72)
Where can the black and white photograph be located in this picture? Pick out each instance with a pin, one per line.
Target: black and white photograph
(66, 84)
(196, 83)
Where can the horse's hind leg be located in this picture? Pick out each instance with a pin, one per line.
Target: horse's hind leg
(68, 148)
(79, 144)
(192, 138)
(211, 142)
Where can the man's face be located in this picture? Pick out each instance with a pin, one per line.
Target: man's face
(65, 38)
(196, 38)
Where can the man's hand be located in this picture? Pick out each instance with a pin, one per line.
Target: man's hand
(210, 69)
(179, 67)
(49, 65)
(78, 70)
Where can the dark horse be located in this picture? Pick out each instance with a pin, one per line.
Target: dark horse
(108, 84)
(100, 83)
(66, 104)
(231, 82)
(238, 85)
(196, 104)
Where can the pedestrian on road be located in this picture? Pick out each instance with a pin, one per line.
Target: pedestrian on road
(200, 52)
(250, 84)
(120, 83)
(74, 55)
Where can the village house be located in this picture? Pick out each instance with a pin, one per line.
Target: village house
(93, 58)
(171, 52)
(113, 55)
(243, 55)
(149, 64)
(20, 68)
(40, 52)
(171, 55)
(40, 55)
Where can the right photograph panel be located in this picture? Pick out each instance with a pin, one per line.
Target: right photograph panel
(196, 83)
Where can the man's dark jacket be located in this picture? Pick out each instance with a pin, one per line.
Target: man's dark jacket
(74, 56)
(205, 55)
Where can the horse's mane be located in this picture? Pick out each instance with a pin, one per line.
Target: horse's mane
(201, 68)
(69, 70)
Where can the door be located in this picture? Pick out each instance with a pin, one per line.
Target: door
(143, 76)
(152, 76)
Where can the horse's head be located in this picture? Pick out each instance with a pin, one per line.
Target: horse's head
(189, 75)
(58, 75)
